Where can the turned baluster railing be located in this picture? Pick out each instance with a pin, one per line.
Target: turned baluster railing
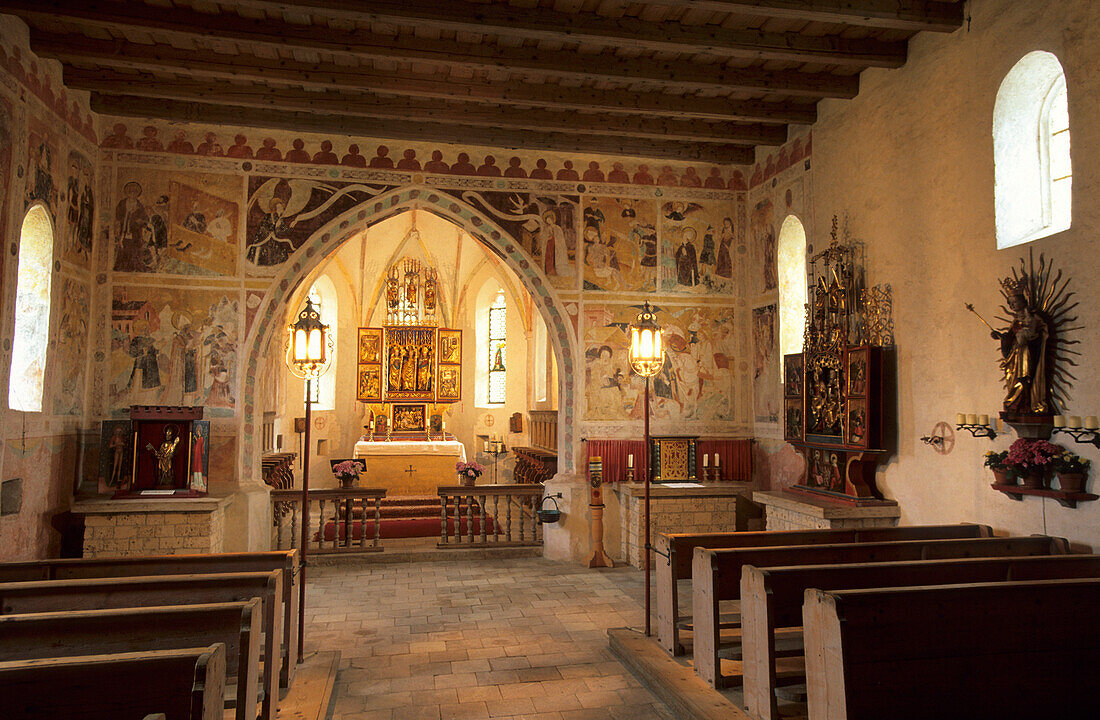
(334, 517)
(470, 503)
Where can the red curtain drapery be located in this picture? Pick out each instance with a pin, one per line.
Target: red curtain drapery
(735, 454)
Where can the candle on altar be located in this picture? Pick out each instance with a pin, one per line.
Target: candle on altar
(1060, 421)
(1073, 421)
(706, 460)
(486, 448)
(630, 460)
(1091, 423)
(717, 459)
(960, 419)
(983, 420)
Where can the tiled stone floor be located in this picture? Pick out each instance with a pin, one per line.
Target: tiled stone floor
(499, 638)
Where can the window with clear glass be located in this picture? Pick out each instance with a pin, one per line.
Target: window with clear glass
(498, 322)
(32, 312)
(1033, 174)
(792, 287)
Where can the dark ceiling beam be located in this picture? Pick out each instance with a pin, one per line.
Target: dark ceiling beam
(121, 55)
(191, 25)
(456, 133)
(336, 103)
(908, 15)
(538, 23)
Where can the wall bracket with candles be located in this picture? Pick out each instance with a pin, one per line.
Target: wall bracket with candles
(979, 425)
(1086, 431)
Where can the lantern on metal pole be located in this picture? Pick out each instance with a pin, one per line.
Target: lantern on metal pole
(308, 356)
(646, 358)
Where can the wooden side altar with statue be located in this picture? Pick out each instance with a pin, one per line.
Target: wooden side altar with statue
(408, 371)
(836, 391)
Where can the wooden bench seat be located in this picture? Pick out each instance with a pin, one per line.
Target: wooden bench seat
(716, 574)
(180, 684)
(678, 548)
(771, 598)
(283, 560)
(146, 590)
(98, 632)
(988, 651)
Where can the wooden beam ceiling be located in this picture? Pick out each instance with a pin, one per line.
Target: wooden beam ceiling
(698, 80)
(139, 107)
(76, 49)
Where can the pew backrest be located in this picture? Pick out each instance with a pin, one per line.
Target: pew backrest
(153, 590)
(96, 632)
(179, 684)
(678, 549)
(283, 560)
(983, 651)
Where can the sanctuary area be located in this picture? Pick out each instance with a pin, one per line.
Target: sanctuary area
(558, 359)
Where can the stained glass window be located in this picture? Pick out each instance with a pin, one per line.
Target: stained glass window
(498, 321)
(32, 312)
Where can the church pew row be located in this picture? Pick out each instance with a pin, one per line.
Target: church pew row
(182, 684)
(99, 632)
(984, 651)
(285, 561)
(771, 598)
(152, 590)
(716, 574)
(679, 547)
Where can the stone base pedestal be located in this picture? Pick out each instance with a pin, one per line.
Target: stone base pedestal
(699, 507)
(788, 511)
(184, 526)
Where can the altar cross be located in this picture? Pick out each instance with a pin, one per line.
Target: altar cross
(411, 470)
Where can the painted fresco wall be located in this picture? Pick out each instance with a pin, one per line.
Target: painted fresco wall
(47, 155)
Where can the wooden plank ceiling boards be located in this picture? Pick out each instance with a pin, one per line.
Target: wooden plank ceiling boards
(701, 80)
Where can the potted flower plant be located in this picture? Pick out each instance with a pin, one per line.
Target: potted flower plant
(1072, 471)
(469, 472)
(998, 463)
(347, 473)
(1032, 461)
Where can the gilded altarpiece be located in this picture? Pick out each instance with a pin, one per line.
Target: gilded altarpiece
(835, 390)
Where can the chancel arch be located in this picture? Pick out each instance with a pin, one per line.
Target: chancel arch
(502, 248)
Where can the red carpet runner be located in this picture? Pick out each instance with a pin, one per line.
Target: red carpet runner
(406, 517)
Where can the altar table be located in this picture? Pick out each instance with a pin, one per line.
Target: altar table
(409, 467)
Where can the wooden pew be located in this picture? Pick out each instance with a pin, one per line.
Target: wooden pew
(183, 684)
(772, 597)
(679, 547)
(284, 560)
(716, 574)
(1003, 651)
(88, 632)
(145, 590)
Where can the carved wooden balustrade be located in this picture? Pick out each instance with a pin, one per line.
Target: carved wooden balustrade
(489, 516)
(340, 521)
(277, 470)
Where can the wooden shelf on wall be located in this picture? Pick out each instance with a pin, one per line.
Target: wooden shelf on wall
(1067, 499)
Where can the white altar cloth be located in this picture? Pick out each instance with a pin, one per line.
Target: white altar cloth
(366, 449)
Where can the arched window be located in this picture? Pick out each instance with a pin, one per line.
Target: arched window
(792, 287)
(32, 312)
(1031, 153)
(323, 295)
(498, 352)
(540, 364)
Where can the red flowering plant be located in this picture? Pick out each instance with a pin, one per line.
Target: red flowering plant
(1025, 455)
(471, 470)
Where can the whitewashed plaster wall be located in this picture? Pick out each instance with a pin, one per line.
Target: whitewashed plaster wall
(911, 161)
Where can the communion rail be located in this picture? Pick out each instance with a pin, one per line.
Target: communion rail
(338, 519)
(509, 522)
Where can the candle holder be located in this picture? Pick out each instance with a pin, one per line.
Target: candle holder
(976, 430)
(630, 475)
(1081, 435)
